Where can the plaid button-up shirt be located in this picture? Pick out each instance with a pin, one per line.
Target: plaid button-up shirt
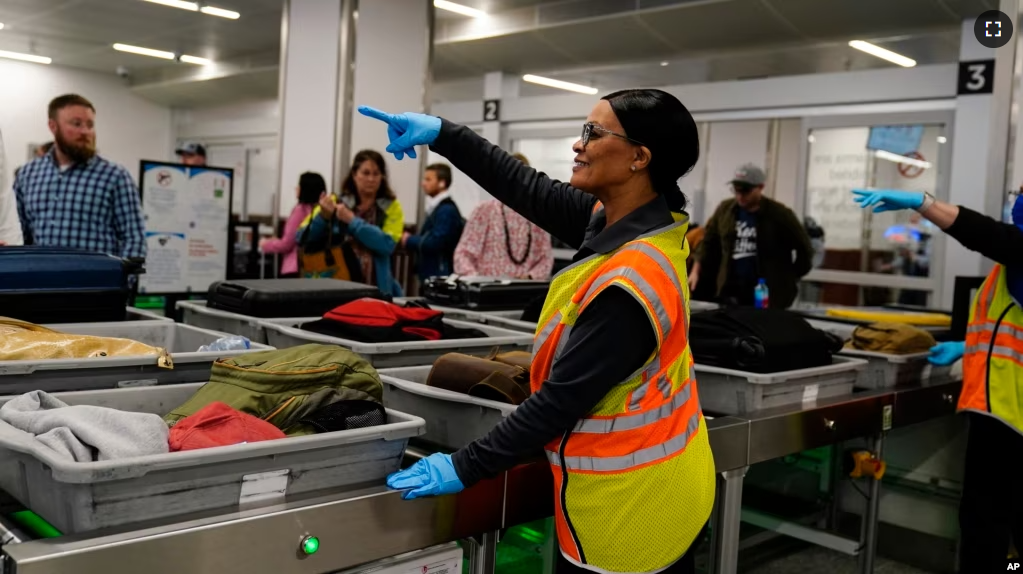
(92, 206)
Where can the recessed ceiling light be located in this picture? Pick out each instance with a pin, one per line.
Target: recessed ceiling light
(212, 11)
(550, 83)
(144, 51)
(664, 63)
(195, 60)
(1, 25)
(459, 9)
(191, 6)
(882, 53)
(25, 57)
(942, 139)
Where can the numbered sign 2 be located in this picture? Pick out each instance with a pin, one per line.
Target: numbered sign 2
(976, 77)
(492, 110)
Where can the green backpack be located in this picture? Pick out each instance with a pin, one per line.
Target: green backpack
(285, 386)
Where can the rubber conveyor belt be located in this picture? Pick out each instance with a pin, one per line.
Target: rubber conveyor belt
(361, 526)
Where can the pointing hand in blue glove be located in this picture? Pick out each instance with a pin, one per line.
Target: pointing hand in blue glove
(405, 130)
(432, 476)
(944, 354)
(888, 200)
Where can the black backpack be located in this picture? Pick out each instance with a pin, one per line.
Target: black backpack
(759, 340)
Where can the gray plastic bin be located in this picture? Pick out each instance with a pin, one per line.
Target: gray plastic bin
(885, 370)
(729, 392)
(453, 420)
(196, 313)
(136, 314)
(181, 341)
(284, 333)
(79, 497)
(503, 319)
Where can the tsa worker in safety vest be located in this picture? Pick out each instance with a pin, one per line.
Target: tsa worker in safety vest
(614, 401)
(992, 502)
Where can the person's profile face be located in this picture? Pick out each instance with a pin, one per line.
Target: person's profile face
(606, 159)
(368, 178)
(431, 184)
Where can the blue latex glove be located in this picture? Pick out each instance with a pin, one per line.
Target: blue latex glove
(944, 354)
(888, 200)
(432, 476)
(405, 130)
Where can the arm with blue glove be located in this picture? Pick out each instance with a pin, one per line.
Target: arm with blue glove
(944, 354)
(557, 207)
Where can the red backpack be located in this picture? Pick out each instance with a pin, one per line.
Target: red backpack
(376, 321)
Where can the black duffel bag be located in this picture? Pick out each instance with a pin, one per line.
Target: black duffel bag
(759, 340)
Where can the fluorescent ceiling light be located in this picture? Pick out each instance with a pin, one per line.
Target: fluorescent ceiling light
(1, 25)
(664, 63)
(191, 6)
(902, 159)
(229, 14)
(882, 53)
(942, 139)
(195, 60)
(459, 9)
(144, 51)
(559, 84)
(25, 57)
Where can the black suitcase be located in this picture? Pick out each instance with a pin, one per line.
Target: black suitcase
(43, 284)
(286, 297)
(484, 293)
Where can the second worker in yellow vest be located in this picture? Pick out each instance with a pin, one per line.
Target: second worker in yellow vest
(615, 404)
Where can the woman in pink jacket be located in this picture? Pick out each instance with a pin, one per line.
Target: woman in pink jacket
(310, 186)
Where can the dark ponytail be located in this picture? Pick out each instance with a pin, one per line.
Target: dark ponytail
(668, 130)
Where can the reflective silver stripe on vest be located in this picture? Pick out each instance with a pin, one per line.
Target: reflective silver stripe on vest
(640, 457)
(545, 334)
(1003, 352)
(661, 260)
(639, 393)
(632, 422)
(989, 327)
(664, 385)
(644, 287)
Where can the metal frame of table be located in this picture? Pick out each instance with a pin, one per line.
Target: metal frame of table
(356, 527)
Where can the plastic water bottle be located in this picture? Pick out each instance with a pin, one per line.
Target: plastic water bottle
(760, 295)
(232, 343)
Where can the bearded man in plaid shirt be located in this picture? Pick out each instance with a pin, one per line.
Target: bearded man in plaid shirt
(71, 197)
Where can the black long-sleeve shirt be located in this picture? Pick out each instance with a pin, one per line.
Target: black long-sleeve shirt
(1000, 242)
(612, 338)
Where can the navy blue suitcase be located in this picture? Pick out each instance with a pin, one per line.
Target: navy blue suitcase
(59, 285)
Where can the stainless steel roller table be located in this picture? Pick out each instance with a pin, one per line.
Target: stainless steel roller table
(355, 527)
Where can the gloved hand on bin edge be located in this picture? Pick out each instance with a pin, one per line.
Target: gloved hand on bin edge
(944, 354)
(405, 131)
(432, 476)
(888, 200)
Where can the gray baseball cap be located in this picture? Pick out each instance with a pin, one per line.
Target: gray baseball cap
(749, 174)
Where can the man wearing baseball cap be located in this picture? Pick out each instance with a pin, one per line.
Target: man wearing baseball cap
(192, 153)
(751, 237)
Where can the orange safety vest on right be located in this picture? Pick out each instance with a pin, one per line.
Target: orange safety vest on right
(634, 479)
(993, 361)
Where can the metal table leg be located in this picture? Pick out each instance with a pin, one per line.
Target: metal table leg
(483, 554)
(868, 528)
(725, 522)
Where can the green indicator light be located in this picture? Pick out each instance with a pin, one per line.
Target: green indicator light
(310, 545)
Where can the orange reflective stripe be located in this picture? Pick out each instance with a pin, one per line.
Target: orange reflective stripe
(597, 207)
(987, 294)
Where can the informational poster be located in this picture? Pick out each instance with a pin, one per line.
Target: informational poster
(188, 214)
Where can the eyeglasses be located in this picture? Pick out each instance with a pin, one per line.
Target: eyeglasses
(588, 133)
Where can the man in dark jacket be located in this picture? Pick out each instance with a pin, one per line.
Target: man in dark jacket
(752, 237)
(435, 244)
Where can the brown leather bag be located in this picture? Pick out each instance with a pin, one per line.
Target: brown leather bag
(501, 377)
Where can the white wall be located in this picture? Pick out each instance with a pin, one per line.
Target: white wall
(732, 144)
(229, 123)
(128, 128)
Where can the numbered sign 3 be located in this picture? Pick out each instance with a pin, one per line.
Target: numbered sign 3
(976, 77)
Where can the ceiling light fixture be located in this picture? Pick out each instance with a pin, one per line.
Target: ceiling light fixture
(902, 159)
(942, 139)
(882, 53)
(664, 64)
(196, 7)
(190, 6)
(144, 51)
(25, 57)
(459, 9)
(212, 11)
(550, 83)
(195, 60)
(1, 25)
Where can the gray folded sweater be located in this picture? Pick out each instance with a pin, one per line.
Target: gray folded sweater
(85, 433)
